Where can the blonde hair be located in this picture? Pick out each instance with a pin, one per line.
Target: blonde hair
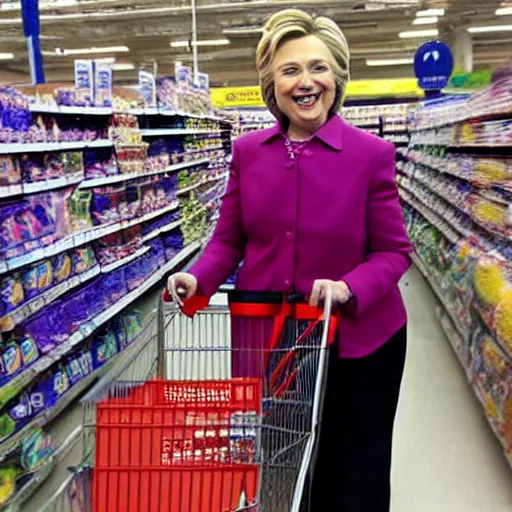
(293, 24)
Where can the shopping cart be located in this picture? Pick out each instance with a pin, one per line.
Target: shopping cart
(217, 412)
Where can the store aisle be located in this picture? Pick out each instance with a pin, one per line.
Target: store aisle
(446, 457)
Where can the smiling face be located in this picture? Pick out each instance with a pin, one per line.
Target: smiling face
(304, 84)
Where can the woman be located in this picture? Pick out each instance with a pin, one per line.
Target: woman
(312, 203)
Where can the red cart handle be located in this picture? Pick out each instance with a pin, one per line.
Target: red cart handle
(191, 305)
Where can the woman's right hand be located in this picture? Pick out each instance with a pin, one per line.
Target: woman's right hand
(182, 286)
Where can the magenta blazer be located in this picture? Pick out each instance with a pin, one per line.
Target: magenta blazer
(331, 212)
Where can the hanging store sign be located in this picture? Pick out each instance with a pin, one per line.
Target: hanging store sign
(239, 97)
(232, 97)
(433, 65)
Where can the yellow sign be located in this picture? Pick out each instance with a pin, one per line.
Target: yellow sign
(226, 97)
(232, 97)
(396, 87)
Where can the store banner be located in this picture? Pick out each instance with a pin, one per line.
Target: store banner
(233, 97)
(433, 65)
(398, 87)
(239, 97)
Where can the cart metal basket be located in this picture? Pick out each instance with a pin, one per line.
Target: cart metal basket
(214, 413)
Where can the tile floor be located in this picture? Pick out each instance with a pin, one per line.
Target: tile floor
(446, 457)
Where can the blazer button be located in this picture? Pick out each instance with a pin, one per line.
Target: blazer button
(287, 283)
(289, 165)
(289, 236)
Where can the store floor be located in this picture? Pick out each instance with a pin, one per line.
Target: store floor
(446, 458)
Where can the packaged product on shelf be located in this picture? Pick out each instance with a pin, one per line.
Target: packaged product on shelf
(105, 204)
(12, 362)
(492, 374)
(158, 251)
(37, 278)
(79, 205)
(12, 293)
(167, 93)
(60, 382)
(132, 158)
(113, 286)
(158, 155)
(100, 163)
(15, 115)
(37, 328)
(82, 259)
(62, 267)
(10, 173)
(132, 325)
(104, 347)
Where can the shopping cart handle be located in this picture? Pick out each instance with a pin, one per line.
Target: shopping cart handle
(190, 306)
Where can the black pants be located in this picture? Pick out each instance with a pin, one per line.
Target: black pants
(353, 463)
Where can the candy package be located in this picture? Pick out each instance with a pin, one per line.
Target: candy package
(37, 278)
(82, 259)
(10, 173)
(12, 294)
(62, 267)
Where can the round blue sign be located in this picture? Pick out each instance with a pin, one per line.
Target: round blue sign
(433, 65)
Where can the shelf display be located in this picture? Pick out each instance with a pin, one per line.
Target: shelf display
(389, 121)
(455, 184)
(84, 233)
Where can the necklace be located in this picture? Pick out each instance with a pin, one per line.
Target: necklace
(295, 148)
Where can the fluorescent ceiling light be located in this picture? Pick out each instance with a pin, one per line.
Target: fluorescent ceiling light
(6, 56)
(242, 30)
(504, 11)
(122, 66)
(106, 60)
(390, 62)
(430, 12)
(427, 20)
(492, 28)
(85, 51)
(419, 33)
(206, 42)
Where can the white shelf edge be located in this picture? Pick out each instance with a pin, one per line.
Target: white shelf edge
(109, 180)
(163, 229)
(156, 132)
(119, 263)
(45, 147)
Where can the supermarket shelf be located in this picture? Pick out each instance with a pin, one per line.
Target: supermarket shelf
(200, 183)
(124, 261)
(164, 229)
(12, 388)
(440, 295)
(16, 317)
(489, 230)
(63, 109)
(427, 213)
(42, 474)
(110, 180)
(31, 486)
(79, 239)
(106, 111)
(43, 186)
(48, 415)
(45, 147)
(450, 331)
(495, 116)
(162, 132)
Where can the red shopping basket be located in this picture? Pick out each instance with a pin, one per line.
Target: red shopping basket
(171, 446)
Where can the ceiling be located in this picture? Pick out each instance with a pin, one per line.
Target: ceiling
(147, 27)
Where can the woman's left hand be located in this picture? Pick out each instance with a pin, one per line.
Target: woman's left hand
(341, 293)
